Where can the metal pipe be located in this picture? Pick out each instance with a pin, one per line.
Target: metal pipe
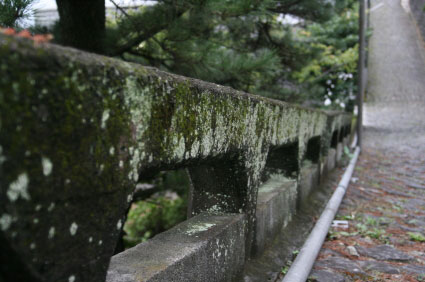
(361, 76)
(303, 264)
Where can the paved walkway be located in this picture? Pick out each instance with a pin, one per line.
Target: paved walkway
(385, 204)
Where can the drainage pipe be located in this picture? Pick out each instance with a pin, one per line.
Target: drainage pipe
(303, 264)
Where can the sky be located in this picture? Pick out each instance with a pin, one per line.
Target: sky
(51, 4)
(41, 5)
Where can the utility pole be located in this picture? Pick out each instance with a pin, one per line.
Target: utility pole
(361, 74)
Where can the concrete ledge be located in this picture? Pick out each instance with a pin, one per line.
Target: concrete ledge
(275, 207)
(309, 179)
(203, 248)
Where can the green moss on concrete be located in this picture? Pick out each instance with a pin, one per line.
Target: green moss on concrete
(82, 127)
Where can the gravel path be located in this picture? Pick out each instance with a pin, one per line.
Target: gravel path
(384, 209)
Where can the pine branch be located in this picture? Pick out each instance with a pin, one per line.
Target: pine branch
(165, 18)
(120, 8)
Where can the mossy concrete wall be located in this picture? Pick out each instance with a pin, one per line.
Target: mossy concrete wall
(78, 131)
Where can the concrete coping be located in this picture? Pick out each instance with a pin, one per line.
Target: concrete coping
(198, 249)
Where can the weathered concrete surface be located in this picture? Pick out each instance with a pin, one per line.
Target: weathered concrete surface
(339, 151)
(268, 265)
(275, 208)
(309, 179)
(331, 160)
(203, 248)
(78, 130)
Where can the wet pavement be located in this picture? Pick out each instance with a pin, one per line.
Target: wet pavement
(384, 208)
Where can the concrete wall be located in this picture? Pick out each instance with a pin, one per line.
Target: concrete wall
(203, 248)
(79, 130)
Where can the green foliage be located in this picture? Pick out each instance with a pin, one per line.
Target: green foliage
(13, 11)
(345, 217)
(368, 227)
(163, 210)
(209, 40)
(348, 153)
(246, 44)
(250, 45)
(414, 236)
(148, 218)
(330, 78)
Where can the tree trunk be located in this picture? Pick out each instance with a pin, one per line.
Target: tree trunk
(82, 24)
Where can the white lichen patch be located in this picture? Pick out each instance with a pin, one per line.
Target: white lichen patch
(51, 207)
(196, 228)
(5, 221)
(105, 117)
(111, 151)
(51, 232)
(32, 246)
(134, 163)
(90, 239)
(121, 164)
(38, 207)
(195, 148)
(35, 220)
(47, 166)
(67, 181)
(19, 188)
(129, 198)
(71, 278)
(73, 228)
(179, 147)
(100, 242)
(119, 224)
(215, 209)
(101, 168)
